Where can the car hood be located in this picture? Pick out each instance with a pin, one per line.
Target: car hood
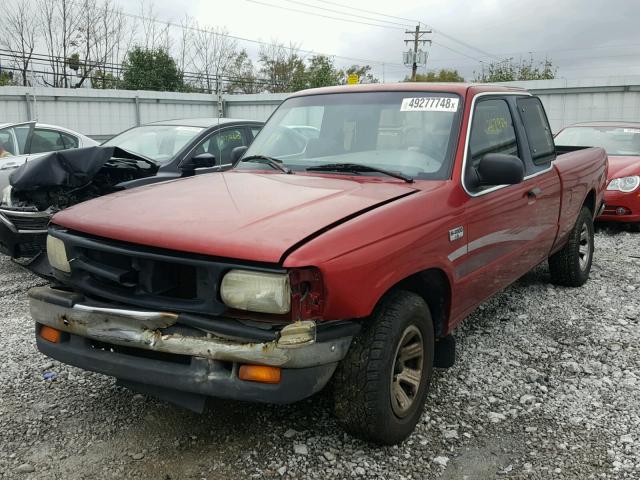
(66, 168)
(240, 215)
(623, 166)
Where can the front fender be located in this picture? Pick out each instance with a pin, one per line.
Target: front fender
(364, 258)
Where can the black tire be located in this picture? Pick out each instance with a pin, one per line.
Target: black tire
(571, 265)
(364, 379)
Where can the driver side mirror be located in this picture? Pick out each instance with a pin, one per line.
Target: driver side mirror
(237, 153)
(499, 169)
(203, 160)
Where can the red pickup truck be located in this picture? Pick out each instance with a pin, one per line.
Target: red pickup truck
(361, 226)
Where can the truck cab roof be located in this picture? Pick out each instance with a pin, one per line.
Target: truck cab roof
(459, 88)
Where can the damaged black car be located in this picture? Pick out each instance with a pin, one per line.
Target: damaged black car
(143, 155)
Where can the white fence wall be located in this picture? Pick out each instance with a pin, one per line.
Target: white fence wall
(571, 101)
(103, 113)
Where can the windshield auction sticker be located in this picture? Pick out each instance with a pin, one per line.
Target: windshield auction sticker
(429, 104)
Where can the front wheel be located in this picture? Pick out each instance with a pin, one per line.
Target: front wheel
(571, 265)
(381, 386)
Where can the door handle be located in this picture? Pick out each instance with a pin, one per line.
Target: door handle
(534, 192)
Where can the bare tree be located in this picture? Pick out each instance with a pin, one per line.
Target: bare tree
(101, 27)
(18, 30)
(60, 22)
(187, 25)
(154, 34)
(213, 55)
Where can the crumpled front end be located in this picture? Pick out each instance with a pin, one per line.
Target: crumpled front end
(23, 230)
(175, 355)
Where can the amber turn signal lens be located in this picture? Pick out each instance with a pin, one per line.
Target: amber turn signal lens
(50, 334)
(260, 373)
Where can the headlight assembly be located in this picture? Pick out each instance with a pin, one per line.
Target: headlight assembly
(624, 184)
(57, 254)
(256, 291)
(6, 196)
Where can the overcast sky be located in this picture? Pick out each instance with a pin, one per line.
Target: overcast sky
(583, 38)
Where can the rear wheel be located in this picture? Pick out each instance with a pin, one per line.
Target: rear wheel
(381, 386)
(571, 265)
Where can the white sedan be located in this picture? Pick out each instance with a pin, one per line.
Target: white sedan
(19, 142)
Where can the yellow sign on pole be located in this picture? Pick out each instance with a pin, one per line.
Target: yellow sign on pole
(353, 79)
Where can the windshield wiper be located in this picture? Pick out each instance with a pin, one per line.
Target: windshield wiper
(357, 168)
(272, 162)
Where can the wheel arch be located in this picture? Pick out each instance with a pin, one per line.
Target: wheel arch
(434, 287)
(590, 202)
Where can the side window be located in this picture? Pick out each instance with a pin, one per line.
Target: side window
(220, 144)
(8, 146)
(46, 141)
(254, 131)
(537, 128)
(492, 131)
(69, 141)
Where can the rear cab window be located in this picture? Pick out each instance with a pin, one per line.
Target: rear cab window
(538, 132)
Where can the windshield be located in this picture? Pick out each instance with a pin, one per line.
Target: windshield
(412, 133)
(615, 140)
(159, 143)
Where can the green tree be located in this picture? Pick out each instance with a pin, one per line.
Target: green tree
(6, 78)
(242, 73)
(282, 68)
(151, 69)
(103, 80)
(322, 73)
(73, 62)
(362, 71)
(443, 75)
(508, 71)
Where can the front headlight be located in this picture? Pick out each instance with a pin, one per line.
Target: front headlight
(256, 291)
(57, 254)
(6, 196)
(624, 184)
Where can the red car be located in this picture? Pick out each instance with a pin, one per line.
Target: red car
(621, 140)
(347, 254)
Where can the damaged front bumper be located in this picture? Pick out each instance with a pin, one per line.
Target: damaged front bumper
(163, 352)
(23, 231)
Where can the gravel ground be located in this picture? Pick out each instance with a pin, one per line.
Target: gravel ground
(546, 385)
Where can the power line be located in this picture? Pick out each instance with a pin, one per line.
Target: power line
(321, 15)
(367, 11)
(453, 39)
(455, 51)
(345, 13)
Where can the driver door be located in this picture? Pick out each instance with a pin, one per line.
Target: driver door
(498, 228)
(15, 140)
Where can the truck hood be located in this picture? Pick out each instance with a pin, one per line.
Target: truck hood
(623, 166)
(238, 215)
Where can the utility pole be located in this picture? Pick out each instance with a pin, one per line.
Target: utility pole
(416, 57)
